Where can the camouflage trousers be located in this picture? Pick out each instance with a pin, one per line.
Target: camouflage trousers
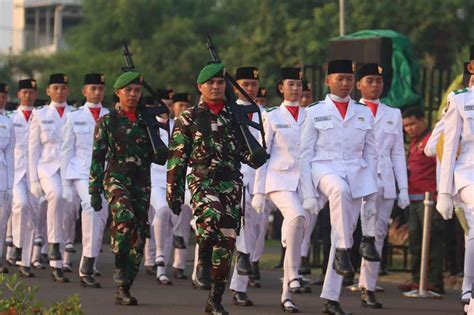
(217, 210)
(128, 204)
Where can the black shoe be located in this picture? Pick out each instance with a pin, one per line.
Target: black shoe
(69, 248)
(17, 251)
(279, 265)
(4, 270)
(44, 259)
(368, 299)
(306, 289)
(163, 279)
(333, 308)
(179, 274)
(256, 270)
(304, 269)
(295, 290)
(58, 275)
(178, 242)
(241, 299)
(121, 277)
(89, 282)
(160, 262)
(254, 283)
(97, 273)
(150, 270)
(25, 272)
(367, 249)
(123, 297)
(348, 280)
(342, 262)
(53, 252)
(214, 301)
(290, 308)
(38, 265)
(67, 268)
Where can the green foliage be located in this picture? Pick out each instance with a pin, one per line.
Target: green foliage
(16, 297)
(167, 37)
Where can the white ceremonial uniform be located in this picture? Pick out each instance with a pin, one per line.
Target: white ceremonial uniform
(279, 180)
(457, 172)
(252, 228)
(161, 217)
(44, 146)
(76, 159)
(391, 170)
(25, 207)
(337, 155)
(7, 144)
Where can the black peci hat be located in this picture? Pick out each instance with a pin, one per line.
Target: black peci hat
(291, 73)
(262, 92)
(368, 69)
(27, 84)
(3, 88)
(58, 78)
(340, 66)
(94, 78)
(249, 73)
(182, 97)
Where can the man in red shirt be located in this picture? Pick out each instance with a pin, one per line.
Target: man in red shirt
(421, 179)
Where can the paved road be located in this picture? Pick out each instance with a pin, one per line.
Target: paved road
(182, 299)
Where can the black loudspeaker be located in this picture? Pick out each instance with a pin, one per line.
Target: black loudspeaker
(366, 50)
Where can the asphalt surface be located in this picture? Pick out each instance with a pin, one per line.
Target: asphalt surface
(181, 298)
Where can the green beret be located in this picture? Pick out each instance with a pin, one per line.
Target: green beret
(126, 78)
(210, 71)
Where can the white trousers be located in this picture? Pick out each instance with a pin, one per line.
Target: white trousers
(5, 210)
(369, 270)
(467, 196)
(310, 224)
(182, 228)
(25, 211)
(344, 211)
(292, 233)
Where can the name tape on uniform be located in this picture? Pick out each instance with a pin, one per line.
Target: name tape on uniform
(3, 127)
(390, 122)
(468, 107)
(279, 126)
(47, 122)
(17, 125)
(80, 123)
(361, 118)
(322, 118)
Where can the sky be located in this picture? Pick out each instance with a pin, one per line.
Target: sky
(5, 24)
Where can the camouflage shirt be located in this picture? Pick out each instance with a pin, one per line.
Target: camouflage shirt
(209, 145)
(126, 148)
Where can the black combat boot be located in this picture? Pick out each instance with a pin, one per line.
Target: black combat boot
(243, 266)
(203, 268)
(214, 301)
(53, 252)
(123, 297)
(342, 262)
(120, 274)
(87, 271)
(367, 249)
(333, 308)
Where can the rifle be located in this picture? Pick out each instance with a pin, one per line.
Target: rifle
(240, 113)
(150, 112)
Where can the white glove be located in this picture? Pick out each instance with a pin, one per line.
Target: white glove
(369, 209)
(403, 199)
(36, 190)
(8, 196)
(311, 205)
(445, 206)
(68, 193)
(258, 203)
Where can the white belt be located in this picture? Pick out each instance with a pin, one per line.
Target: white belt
(338, 156)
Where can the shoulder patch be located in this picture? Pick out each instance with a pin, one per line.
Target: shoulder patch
(312, 104)
(269, 109)
(460, 91)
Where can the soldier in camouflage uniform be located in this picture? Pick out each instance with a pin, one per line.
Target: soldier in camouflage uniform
(205, 139)
(121, 140)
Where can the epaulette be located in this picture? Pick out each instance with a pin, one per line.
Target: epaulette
(312, 104)
(460, 91)
(269, 109)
